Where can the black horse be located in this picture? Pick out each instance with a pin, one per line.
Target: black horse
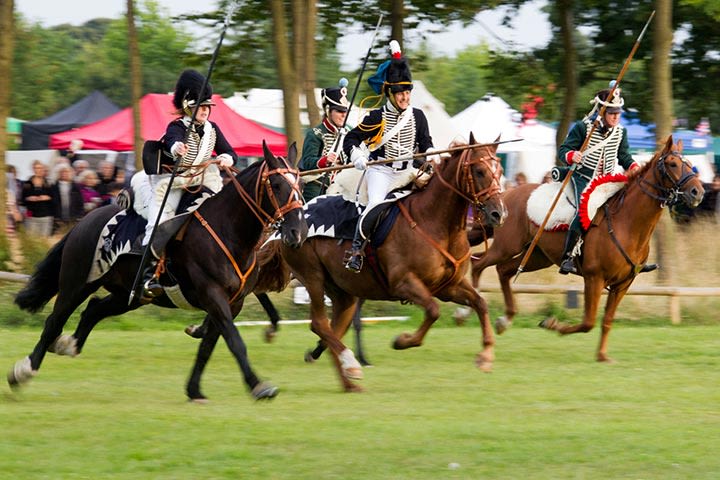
(213, 260)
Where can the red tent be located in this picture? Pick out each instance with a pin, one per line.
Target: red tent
(116, 131)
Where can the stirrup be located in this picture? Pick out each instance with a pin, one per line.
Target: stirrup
(152, 288)
(568, 266)
(353, 260)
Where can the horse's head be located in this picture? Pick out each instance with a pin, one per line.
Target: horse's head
(674, 177)
(281, 198)
(477, 179)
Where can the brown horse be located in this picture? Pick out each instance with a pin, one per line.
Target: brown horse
(615, 247)
(426, 254)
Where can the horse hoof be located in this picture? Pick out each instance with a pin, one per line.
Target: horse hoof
(194, 331)
(64, 345)
(199, 401)
(21, 372)
(353, 388)
(501, 325)
(353, 373)
(269, 334)
(265, 391)
(483, 363)
(549, 323)
(401, 341)
(309, 357)
(460, 315)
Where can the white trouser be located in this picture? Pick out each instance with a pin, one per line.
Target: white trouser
(158, 184)
(173, 200)
(379, 179)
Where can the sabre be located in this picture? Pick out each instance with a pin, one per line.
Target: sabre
(573, 167)
(408, 157)
(143, 262)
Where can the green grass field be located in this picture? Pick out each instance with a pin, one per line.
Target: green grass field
(548, 410)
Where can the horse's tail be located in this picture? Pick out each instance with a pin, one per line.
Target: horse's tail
(274, 272)
(44, 283)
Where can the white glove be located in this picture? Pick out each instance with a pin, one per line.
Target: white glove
(433, 157)
(332, 158)
(179, 149)
(359, 158)
(574, 156)
(225, 160)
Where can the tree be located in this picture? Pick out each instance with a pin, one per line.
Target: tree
(6, 54)
(135, 82)
(286, 71)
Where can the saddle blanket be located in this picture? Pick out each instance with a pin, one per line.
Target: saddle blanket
(121, 232)
(593, 197)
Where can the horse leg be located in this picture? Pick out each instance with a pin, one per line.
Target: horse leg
(96, 310)
(613, 300)
(414, 290)
(506, 271)
(593, 291)
(65, 305)
(205, 349)
(272, 313)
(313, 355)
(464, 294)
(222, 316)
(357, 326)
(347, 366)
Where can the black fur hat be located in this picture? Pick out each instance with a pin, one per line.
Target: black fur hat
(397, 77)
(187, 91)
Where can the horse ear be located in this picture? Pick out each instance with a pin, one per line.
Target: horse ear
(668, 144)
(266, 151)
(472, 138)
(495, 147)
(292, 154)
(680, 145)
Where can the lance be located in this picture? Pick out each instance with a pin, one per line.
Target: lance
(573, 167)
(146, 251)
(407, 157)
(337, 144)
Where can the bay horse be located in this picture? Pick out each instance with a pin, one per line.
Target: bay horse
(615, 247)
(426, 254)
(214, 264)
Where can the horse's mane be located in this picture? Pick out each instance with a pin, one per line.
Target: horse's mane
(640, 171)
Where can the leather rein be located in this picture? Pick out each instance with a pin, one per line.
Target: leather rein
(475, 196)
(263, 187)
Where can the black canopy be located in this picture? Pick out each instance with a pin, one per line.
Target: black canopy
(94, 107)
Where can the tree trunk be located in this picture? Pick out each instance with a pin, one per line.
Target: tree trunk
(286, 72)
(567, 31)
(662, 112)
(397, 14)
(7, 39)
(310, 80)
(135, 82)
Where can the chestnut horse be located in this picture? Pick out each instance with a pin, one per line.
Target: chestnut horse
(615, 247)
(426, 254)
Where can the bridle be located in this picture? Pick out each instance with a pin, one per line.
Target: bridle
(467, 187)
(263, 187)
(667, 195)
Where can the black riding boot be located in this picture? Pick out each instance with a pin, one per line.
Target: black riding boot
(151, 285)
(568, 263)
(354, 262)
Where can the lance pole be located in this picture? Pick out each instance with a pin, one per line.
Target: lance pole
(407, 157)
(337, 144)
(573, 167)
(178, 159)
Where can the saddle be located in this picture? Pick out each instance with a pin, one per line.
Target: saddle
(123, 232)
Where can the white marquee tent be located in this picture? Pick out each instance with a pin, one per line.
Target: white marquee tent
(492, 116)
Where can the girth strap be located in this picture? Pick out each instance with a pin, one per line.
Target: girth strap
(243, 276)
(455, 262)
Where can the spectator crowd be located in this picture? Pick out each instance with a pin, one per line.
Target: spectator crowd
(52, 200)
